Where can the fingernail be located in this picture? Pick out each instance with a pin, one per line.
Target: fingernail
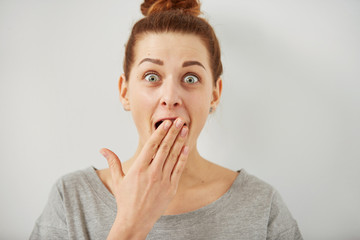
(183, 131)
(186, 150)
(179, 123)
(167, 124)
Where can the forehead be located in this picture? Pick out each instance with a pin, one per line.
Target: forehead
(170, 47)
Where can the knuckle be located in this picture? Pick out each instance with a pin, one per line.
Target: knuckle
(172, 157)
(139, 172)
(165, 146)
(164, 151)
(182, 159)
(154, 178)
(153, 146)
(178, 170)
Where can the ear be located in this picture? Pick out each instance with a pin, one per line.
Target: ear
(123, 91)
(216, 94)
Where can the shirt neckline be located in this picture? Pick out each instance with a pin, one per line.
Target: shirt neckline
(167, 221)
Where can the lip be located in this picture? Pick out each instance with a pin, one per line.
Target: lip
(169, 118)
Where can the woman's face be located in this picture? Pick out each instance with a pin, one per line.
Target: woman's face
(170, 78)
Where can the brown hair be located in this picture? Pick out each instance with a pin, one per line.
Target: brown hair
(180, 16)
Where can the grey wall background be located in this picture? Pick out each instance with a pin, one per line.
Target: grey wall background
(289, 114)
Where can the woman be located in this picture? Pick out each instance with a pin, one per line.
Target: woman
(171, 83)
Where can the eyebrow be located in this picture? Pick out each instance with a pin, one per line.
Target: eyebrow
(159, 62)
(190, 63)
(156, 61)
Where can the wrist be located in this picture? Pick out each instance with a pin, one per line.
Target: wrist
(122, 230)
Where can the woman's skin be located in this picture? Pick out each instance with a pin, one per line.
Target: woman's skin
(170, 80)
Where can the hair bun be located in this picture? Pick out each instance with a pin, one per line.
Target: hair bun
(187, 6)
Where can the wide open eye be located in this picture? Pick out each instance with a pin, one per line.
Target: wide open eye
(152, 77)
(191, 79)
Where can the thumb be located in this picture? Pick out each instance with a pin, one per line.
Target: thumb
(114, 164)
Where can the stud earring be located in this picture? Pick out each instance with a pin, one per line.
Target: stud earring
(211, 109)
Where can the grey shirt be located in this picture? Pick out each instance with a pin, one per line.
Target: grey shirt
(81, 207)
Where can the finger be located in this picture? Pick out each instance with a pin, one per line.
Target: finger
(167, 144)
(114, 164)
(179, 167)
(152, 145)
(175, 153)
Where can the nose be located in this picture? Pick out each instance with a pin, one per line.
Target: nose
(171, 95)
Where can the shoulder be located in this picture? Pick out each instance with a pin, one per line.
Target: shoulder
(81, 188)
(262, 197)
(75, 181)
(53, 219)
(260, 191)
(253, 187)
(255, 196)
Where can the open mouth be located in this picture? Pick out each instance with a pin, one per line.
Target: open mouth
(158, 123)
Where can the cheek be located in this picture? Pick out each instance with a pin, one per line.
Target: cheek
(141, 106)
(201, 101)
(199, 106)
(140, 99)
